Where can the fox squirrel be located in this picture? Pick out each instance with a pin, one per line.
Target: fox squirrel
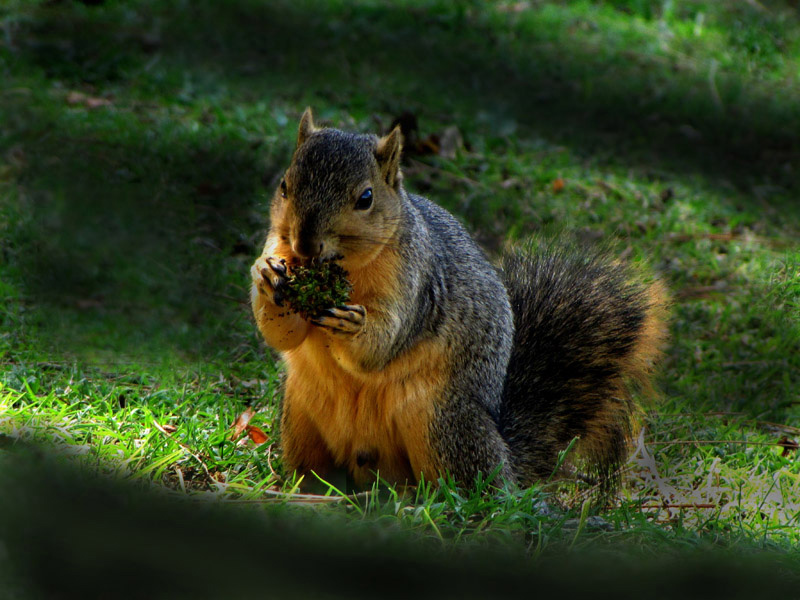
(441, 363)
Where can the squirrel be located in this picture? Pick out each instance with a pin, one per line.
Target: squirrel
(442, 364)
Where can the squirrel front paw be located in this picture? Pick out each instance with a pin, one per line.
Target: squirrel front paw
(269, 275)
(346, 320)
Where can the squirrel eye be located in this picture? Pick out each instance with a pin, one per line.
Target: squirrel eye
(365, 200)
(283, 188)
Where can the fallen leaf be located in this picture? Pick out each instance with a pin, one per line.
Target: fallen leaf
(242, 422)
(558, 185)
(430, 145)
(169, 428)
(75, 98)
(514, 7)
(450, 142)
(92, 102)
(250, 383)
(788, 446)
(257, 436)
(509, 183)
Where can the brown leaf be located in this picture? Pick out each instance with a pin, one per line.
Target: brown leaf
(242, 422)
(788, 446)
(257, 436)
(430, 145)
(169, 428)
(75, 98)
(250, 383)
(92, 102)
(450, 142)
(79, 98)
(509, 183)
(514, 7)
(558, 185)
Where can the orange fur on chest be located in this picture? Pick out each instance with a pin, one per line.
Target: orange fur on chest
(384, 415)
(368, 421)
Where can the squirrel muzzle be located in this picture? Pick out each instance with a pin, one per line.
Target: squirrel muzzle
(307, 247)
(308, 239)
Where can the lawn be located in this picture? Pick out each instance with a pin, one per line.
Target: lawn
(140, 142)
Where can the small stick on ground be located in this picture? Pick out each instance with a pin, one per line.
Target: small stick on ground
(208, 474)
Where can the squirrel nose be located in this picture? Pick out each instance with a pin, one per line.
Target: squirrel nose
(308, 247)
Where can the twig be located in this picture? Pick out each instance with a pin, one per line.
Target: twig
(687, 505)
(610, 188)
(713, 413)
(681, 442)
(580, 497)
(289, 500)
(778, 426)
(421, 165)
(723, 414)
(229, 298)
(269, 463)
(189, 450)
(751, 363)
(727, 237)
(300, 498)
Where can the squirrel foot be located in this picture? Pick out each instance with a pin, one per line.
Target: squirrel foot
(270, 275)
(347, 320)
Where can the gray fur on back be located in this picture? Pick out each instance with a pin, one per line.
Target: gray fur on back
(452, 288)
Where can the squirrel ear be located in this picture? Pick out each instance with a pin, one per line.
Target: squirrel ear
(388, 155)
(307, 126)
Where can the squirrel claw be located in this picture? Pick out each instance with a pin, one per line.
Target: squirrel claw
(269, 274)
(279, 266)
(353, 307)
(344, 320)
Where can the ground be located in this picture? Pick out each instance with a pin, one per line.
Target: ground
(140, 143)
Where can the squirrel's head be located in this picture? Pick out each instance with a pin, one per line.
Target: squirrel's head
(340, 196)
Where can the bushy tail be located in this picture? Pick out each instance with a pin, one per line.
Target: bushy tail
(588, 332)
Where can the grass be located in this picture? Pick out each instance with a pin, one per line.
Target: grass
(139, 147)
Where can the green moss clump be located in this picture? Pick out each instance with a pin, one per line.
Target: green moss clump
(311, 289)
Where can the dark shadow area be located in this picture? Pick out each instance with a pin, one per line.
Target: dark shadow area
(608, 101)
(135, 238)
(67, 535)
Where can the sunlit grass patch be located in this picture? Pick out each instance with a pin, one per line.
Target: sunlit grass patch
(719, 472)
(177, 435)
